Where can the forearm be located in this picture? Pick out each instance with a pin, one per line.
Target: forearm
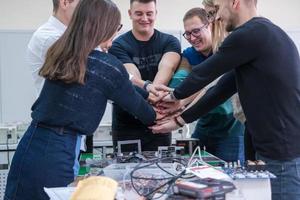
(195, 98)
(215, 96)
(133, 100)
(166, 68)
(142, 92)
(189, 101)
(136, 75)
(163, 76)
(221, 62)
(137, 81)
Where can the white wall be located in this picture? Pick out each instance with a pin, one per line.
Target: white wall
(29, 14)
(19, 18)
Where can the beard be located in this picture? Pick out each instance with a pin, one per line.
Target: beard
(231, 24)
(229, 28)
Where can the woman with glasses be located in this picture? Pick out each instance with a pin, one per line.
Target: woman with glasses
(80, 78)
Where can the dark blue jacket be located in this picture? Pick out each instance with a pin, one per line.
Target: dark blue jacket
(81, 107)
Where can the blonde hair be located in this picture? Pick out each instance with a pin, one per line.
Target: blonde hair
(209, 3)
(218, 29)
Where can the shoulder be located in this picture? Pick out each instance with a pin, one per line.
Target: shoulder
(106, 69)
(124, 42)
(190, 54)
(106, 61)
(167, 42)
(254, 31)
(188, 51)
(124, 39)
(44, 36)
(165, 37)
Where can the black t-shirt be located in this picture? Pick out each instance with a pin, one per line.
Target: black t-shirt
(146, 55)
(262, 63)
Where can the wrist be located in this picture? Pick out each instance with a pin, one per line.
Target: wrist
(146, 84)
(179, 122)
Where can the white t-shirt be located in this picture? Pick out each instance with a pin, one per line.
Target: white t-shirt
(43, 38)
(38, 46)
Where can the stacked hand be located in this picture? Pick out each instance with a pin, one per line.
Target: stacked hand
(166, 108)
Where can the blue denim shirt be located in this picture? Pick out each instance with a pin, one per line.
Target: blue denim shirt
(81, 107)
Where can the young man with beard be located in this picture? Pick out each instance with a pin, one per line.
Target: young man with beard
(261, 63)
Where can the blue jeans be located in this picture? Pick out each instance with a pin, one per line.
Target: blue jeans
(229, 149)
(43, 158)
(287, 184)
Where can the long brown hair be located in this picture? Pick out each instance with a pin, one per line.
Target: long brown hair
(93, 22)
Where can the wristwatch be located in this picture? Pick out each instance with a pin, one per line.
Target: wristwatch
(147, 82)
(172, 95)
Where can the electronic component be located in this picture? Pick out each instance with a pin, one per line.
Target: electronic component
(169, 151)
(129, 146)
(257, 165)
(207, 188)
(252, 170)
(131, 157)
(8, 135)
(189, 144)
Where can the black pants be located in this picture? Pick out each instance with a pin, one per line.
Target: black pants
(249, 148)
(89, 144)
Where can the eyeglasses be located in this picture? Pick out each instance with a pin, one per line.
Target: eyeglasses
(195, 32)
(120, 27)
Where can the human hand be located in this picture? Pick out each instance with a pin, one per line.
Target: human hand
(153, 99)
(170, 97)
(171, 107)
(159, 116)
(166, 116)
(165, 126)
(157, 88)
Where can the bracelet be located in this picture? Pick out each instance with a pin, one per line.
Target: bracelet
(147, 82)
(177, 122)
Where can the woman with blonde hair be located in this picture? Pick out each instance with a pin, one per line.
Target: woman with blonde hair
(218, 29)
(80, 78)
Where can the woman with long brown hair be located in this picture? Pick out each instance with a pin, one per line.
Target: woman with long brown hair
(80, 78)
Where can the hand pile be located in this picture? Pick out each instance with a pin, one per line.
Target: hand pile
(166, 108)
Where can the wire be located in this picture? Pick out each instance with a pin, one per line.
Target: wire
(170, 179)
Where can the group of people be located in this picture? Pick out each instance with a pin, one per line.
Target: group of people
(78, 67)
